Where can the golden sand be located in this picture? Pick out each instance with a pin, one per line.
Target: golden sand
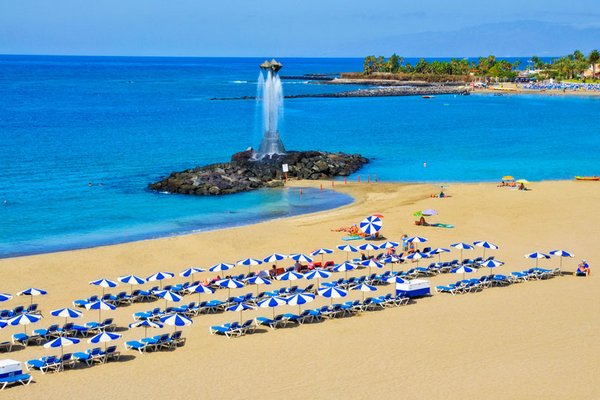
(534, 340)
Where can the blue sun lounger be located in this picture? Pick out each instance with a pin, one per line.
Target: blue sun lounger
(137, 345)
(23, 379)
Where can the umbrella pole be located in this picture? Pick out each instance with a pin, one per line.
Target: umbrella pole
(99, 313)
(273, 312)
(240, 316)
(461, 257)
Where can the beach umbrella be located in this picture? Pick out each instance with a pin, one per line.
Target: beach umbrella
(301, 258)
(415, 256)
(462, 246)
(32, 292)
(290, 276)
(257, 280)
(463, 270)
(240, 307)
(200, 288)
(221, 267)
(317, 274)
(371, 225)
(104, 337)
(368, 247)
(274, 258)
(249, 262)
(348, 249)
(389, 245)
(485, 245)
(508, 178)
(300, 299)
(160, 276)
(104, 283)
(322, 252)
(491, 264)
(24, 319)
(561, 254)
(3, 324)
(395, 279)
(191, 271)
(5, 297)
(66, 313)
(439, 251)
(416, 239)
(131, 280)
(229, 284)
(61, 342)
(100, 305)
(344, 267)
(272, 302)
(146, 323)
(537, 256)
(168, 296)
(332, 293)
(429, 212)
(390, 260)
(176, 320)
(371, 263)
(363, 287)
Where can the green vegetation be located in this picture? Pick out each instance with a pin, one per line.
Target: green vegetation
(569, 67)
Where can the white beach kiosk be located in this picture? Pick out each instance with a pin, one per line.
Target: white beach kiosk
(414, 288)
(11, 372)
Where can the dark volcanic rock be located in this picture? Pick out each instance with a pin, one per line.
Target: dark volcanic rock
(244, 173)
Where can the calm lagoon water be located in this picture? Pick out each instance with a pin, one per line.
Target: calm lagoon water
(120, 123)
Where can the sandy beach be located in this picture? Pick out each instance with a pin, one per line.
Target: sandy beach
(531, 340)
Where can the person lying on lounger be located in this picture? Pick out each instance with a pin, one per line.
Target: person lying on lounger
(583, 269)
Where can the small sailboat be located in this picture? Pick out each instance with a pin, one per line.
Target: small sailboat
(587, 178)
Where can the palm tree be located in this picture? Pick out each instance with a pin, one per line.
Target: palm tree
(593, 58)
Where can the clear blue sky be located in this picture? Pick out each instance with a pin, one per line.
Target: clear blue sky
(298, 27)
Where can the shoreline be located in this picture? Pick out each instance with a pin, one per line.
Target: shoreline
(532, 324)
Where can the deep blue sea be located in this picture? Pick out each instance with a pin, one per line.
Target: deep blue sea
(122, 122)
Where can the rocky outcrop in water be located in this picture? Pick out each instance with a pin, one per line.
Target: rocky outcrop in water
(243, 173)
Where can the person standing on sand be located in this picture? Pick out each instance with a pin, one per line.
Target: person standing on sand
(405, 242)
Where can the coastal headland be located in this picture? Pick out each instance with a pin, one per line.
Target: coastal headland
(528, 340)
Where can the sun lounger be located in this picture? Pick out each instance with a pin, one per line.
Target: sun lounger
(20, 338)
(83, 357)
(44, 364)
(23, 379)
(142, 347)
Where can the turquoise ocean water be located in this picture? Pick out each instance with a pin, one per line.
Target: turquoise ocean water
(120, 123)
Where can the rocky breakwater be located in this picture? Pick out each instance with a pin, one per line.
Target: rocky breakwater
(243, 173)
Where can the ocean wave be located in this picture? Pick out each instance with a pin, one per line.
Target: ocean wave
(238, 81)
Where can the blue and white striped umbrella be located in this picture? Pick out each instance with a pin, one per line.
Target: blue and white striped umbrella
(390, 259)
(332, 293)
(230, 283)
(491, 263)
(388, 245)
(416, 256)
(363, 287)
(3, 324)
(32, 292)
(176, 320)
(290, 276)
(104, 337)
(5, 297)
(485, 245)
(416, 239)
(321, 251)
(257, 280)
(395, 279)
(371, 263)
(240, 307)
(439, 251)
(66, 313)
(24, 319)
(160, 276)
(348, 249)
(368, 247)
(301, 258)
(344, 267)
(317, 274)
(249, 261)
(300, 299)
(104, 283)
(131, 280)
(199, 289)
(61, 342)
(145, 323)
(168, 296)
(221, 267)
(561, 254)
(274, 258)
(371, 225)
(271, 302)
(462, 246)
(100, 305)
(191, 271)
(537, 256)
(463, 270)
